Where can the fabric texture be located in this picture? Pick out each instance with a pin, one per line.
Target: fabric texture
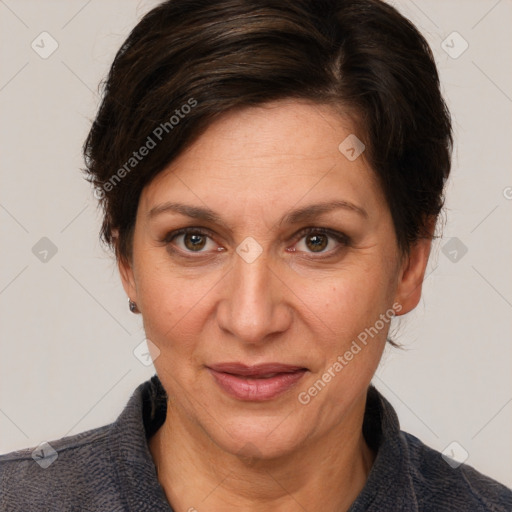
(111, 469)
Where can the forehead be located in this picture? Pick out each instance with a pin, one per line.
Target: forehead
(273, 156)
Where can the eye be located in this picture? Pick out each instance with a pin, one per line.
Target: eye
(190, 240)
(320, 240)
(310, 240)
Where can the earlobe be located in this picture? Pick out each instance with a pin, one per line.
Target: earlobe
(412, 274)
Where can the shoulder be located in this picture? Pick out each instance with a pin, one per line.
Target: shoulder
(70, 471)
(442, 486)
(106, 468)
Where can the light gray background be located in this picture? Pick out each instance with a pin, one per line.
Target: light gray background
(67, 337)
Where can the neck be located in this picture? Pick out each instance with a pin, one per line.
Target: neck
(326, 474)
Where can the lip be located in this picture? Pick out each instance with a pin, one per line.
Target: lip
(256, 383)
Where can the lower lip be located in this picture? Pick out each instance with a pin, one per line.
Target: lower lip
(256, 390)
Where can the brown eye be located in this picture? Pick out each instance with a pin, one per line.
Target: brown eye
(189, 240)
(321, 240)
(317, 243)
(194, 241)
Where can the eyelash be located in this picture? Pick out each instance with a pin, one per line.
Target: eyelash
(341, 238)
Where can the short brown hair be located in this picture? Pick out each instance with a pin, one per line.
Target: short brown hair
(215, 56)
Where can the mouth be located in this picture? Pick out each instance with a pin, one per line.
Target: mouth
(256, 383)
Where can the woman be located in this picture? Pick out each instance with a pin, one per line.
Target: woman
(271, 174)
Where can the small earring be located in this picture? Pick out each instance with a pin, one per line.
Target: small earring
(133, 307)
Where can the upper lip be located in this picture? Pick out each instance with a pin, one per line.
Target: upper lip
(254, 370)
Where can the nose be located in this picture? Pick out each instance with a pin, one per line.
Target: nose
(254, 306)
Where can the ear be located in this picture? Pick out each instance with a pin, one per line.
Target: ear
(412, 274)
(125, 267)
(127, 278)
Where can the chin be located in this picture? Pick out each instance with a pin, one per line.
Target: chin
(259, 440)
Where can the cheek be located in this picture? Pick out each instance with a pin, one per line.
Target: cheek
(350, 333)
(347, 301)
(173, 305)
(178, 304)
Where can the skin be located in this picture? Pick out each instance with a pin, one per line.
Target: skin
(290, 305)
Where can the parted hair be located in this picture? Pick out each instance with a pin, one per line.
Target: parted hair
(188, 62)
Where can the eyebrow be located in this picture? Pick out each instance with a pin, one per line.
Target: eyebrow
(312, 211)
(305, 214)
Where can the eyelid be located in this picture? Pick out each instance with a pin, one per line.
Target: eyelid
(340, 237)
(337, 235)
(183, 231)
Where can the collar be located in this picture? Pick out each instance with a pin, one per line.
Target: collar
(389, 479)
(136, 471)
(146, 412)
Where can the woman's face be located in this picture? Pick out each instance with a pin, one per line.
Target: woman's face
(295, 263)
